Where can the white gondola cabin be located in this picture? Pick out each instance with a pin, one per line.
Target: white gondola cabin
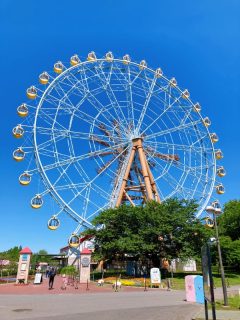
(53, 223)
(22, 110)
(75, 60)
(197, 107)
(25, 179)
(18, 131)
(32, 92)
(74, 241)
(18, 154)
(217, 207)
(44, 78)
(173, 82)
(36, 202)
(92, 56)
(218, 154)
(210, 208)
(58, 67)
(142, 65)
(221, 172)
(214, 137)
(185, 94)
(206, 122)
(158, 73)
(126, 59)
(109, 56)
(220, 189)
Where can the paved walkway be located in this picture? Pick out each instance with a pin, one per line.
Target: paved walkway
(37, 302)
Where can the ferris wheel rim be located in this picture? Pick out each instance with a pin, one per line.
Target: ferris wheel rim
(40, 166)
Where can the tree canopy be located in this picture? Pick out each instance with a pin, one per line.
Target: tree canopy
(229, 231)
(155, 231)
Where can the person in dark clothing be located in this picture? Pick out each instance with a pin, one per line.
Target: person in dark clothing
(51, 276)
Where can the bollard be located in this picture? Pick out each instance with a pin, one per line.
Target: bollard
(116, 286)
(145, 284)
(87, 288)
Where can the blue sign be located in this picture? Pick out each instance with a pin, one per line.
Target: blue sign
(24, 257)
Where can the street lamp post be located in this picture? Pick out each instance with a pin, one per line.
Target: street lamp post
(225, 297)
(216, 209)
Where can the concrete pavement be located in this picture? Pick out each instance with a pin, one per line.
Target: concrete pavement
(134, 305)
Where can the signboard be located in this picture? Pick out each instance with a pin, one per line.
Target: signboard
(24, 257)
(23, 267)
(155, 276)
(85, 261)
(38, 278)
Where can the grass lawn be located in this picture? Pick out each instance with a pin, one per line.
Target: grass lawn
(178, 281)
(233, 301)
(231, 280)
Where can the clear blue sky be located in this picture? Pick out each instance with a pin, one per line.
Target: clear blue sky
(198, 42)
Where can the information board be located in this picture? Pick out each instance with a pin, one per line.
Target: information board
(38, 278)
(155, 276)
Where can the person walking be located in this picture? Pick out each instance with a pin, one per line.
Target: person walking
(51, 276)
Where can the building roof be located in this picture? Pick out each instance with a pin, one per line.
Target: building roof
(25, 250)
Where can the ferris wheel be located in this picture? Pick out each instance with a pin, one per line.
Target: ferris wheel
(108, 131)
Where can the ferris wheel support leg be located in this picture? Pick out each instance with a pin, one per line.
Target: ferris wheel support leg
(125, 178)
(153, 184)
(146, 177)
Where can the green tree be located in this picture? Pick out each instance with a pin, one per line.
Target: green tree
(155, 231)
(229, 231)
(229, 221)
(12, 254)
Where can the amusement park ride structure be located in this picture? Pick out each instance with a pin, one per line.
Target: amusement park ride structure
(109, 131)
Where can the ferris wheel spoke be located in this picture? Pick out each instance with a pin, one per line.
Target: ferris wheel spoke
(91, 98)
(146, 103)
(98, 175)
(83, 157)
(175, 146)
(168, 107)
(171, 130)
(111, 96)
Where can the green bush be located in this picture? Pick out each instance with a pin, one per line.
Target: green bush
(69, 270)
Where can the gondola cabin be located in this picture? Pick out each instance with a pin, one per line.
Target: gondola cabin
(173, 82)
(158, 73)
(92, 56)
(37, 202)
(25, 179)
(214, 137)
(185, 94)
(218, 154)
(44, 78)
(58, 67)
(109, 56)
(32, 93)
(74, 60)
(206, 122)
(221, 172)
(142, 65)
(126, 59)
(220, 189)
(18, 154)
(53, 223)
(18, 131)
(74, 241)
(197, 107)
(22, 110)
